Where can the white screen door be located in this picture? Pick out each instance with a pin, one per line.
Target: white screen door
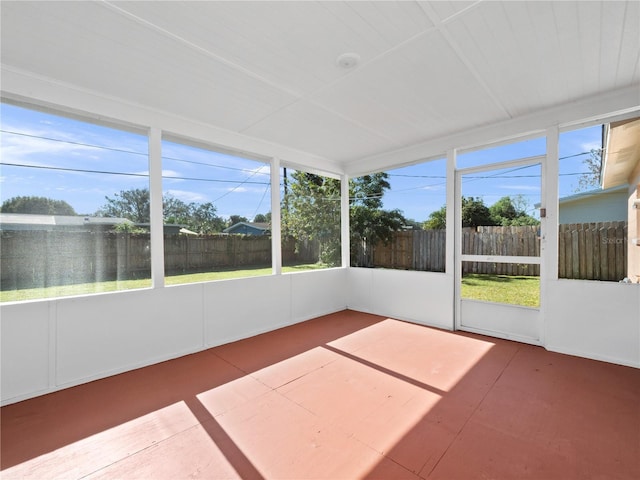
(498, 266)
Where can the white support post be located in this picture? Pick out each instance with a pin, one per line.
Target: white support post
(450, 243)
(276, 219)
(345, 237)
(549, 224)
(453, 248)
(155, 208)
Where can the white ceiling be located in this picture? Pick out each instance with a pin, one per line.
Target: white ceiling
(268, 69)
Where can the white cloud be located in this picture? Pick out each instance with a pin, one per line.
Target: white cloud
(18, 148)
(433, 187)
(261, 170)
(170, 173)
(530, 188)
(187, 196)
(594, 145)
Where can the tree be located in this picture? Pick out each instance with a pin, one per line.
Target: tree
(311, 210)
(175, 210)
(475, 213)
(203, 219)
(411, 224)
(506, 212)
(262, 218)
(592, 177)
(134, 205)
(233, 219)
(437, 220)
(36, 205)
(512, 212)
(367, 217)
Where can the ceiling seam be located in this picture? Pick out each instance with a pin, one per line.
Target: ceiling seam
(441, 27)
(309, 97)
(624, 24)
(198, 48)
(297, 96)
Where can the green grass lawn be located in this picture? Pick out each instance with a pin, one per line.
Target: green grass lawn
(87, 288)
(514, 290)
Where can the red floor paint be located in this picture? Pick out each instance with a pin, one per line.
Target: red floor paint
(344, 396)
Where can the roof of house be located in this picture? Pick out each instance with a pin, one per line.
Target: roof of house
(58, 220)
(263, 227)
(622, 153)
(590, 194)
(67, 221)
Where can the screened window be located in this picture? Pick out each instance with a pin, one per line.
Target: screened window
(217, 220)
(310, 214)
(593, 217)
(398, 218)
(74, 207)
(500, 218)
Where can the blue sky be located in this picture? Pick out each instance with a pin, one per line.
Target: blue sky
(83, 163)
(420, 189)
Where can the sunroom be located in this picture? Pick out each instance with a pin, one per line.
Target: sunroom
(353, 336)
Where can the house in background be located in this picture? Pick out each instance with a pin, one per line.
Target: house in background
(621, 169)
(72, 223)
(601, 205)
(248, 228)
(67, 223)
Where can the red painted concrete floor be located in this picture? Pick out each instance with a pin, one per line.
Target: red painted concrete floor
(344, 396)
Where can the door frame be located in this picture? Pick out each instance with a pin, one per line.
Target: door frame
(534, 315)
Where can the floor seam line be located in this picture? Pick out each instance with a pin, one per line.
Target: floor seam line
(153, 444)
(473, 412)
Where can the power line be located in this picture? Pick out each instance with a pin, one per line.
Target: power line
(260, 202)
(239, 185)
(518, 168)
(145, 175)
(212, 165)
(70, 142)
(120, 150)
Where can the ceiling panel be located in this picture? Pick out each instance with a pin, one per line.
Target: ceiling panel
(308, 127)
(537, 54)
(446, 10)
(291, 44)
(96, 48)
(421, 91)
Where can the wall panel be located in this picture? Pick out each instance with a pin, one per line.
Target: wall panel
(105, 334)
(236, 309)
(599, 320)
(421, 297)
(25, 348)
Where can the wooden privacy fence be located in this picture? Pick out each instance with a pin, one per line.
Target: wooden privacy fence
(30, 258)
(516, 241)
(186, 253)
(413, 250)
(593, 251)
